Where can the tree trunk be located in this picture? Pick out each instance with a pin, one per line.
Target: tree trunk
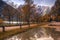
(3, 28)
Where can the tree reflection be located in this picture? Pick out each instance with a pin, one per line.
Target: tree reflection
(33, 34)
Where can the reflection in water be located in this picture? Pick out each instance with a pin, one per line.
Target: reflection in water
(33, 34)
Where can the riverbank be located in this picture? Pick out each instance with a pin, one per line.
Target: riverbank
(11, 33)
(16, 31)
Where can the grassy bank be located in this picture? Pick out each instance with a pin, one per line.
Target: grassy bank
(12, 32)
(6, 34)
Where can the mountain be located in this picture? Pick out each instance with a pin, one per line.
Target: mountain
(44, 10)
(41, 10)
(2, 4)
(7, 12)
(55, 12)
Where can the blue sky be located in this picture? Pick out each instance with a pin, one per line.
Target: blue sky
(37, 2)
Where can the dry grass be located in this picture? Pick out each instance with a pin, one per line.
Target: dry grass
(15, 31)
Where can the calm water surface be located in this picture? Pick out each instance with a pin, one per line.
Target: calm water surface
(33, 34)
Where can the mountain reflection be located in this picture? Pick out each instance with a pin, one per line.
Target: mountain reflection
(33, 34)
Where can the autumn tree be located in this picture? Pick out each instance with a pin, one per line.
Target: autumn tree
(27, 10)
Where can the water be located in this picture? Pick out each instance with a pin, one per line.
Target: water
(33, 34)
